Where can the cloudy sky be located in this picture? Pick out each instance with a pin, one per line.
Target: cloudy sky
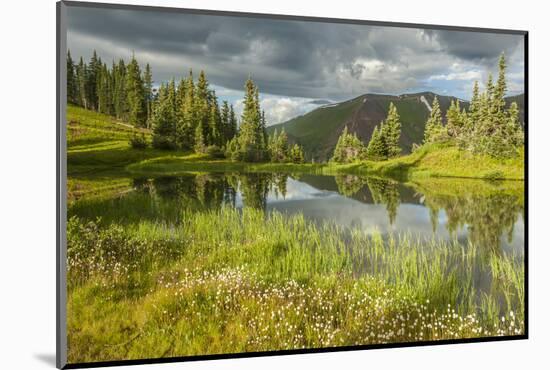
(296, 64)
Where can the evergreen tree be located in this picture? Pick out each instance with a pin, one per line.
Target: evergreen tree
(214, 123)
(82, 78)
(187, 116)
(200, 142)
(263, 128)
(202, 112)
(513, 127)
(338, 154)
(148, 93)
(93, 71)
(500, 89)
(391, 132)
(376, 150)
(163, 121)
(475, 109)
(172, 92)
(120, 98)
(455, 122)
(137, 114)
(72, 85)
(225, 122)
(104, 91)
(434, 130)
(489, 95)
(497, 132)
(233, 128)
(278, 147)
(348, 148)
(252, 133)
(296, 154)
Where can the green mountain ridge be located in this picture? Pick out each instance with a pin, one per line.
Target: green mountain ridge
(318, 131)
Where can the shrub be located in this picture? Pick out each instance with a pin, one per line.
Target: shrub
(215, 151)
(138, 141)
(162, 142)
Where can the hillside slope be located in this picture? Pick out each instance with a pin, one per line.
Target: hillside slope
(318, 130)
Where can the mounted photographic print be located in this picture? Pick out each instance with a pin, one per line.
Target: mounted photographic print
(234, 184)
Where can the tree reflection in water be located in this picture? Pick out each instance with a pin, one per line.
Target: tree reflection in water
(483, 209)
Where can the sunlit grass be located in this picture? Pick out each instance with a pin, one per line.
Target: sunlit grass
(230, 281)
(439, 161)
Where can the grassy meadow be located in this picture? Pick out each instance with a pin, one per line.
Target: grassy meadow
(223, 282)
(159, 276)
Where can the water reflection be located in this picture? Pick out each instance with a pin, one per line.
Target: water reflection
(488, 215)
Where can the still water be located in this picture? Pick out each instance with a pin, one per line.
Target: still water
(487, 214)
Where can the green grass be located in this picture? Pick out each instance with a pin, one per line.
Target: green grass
(96, 186)
(98, 143)
(438, 161)
(173, 165)
(224, 281)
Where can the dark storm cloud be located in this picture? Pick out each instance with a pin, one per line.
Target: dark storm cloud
(289, 58)
(476, 46)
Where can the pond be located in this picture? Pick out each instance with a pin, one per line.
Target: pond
(487, 214)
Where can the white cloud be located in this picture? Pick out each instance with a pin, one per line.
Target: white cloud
(279, 109)
(466, 75)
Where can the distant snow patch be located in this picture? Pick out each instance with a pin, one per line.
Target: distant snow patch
(423, 100)
(329, 105)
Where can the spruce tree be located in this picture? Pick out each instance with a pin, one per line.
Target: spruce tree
(93, 70)
(475, 110)
(163, 121)
(251, 132)
(120, 98)
(137, 113)
(348, 148)
(489, 94)
(278, 147)
(148, 92)
(434, 130)
(104, 91)
(296, 154)
(72, 86)
(497, 132)
(500, 89)
(202, 111)
(263, 127)
(376, 150)
(233, 128)
(338, 154)
(454, 120)
(391, 132)
(200, 142)
(225, 123)
(187, 117)
(214, 123)
(82, 78)
(514, 132)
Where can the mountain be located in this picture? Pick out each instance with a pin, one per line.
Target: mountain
(318, 130)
